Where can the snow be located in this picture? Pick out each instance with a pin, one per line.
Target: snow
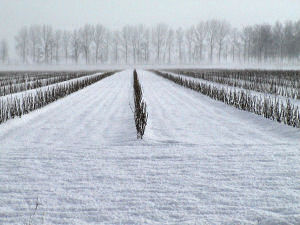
(200, 162)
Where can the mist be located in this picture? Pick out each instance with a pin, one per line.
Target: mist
(114, 15)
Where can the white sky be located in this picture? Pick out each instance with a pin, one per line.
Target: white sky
(116, 13)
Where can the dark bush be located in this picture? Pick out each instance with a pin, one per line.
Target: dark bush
(140, 111)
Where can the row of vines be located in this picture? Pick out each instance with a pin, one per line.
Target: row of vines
(22, 81)
(283, 83)
(12, 107)
(140, 107)
(271, 108)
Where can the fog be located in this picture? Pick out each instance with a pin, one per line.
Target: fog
(114, 14)
(69, 14)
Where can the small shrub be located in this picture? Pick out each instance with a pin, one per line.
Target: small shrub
(140, 112)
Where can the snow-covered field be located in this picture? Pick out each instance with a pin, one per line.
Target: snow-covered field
(200, 162)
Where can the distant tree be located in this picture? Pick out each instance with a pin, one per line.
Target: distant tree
(200, 35)
(57, 39)
(145, 46)
(4, 51)
(125, 42)
(142, 42)
(75, 45)
(235, 44)
(34, 42)
(278, 36)
(246, 36)
(22, 40)
(47, 42)
(179, 40)
(116, 45)
(98, 38)
(170, 43)
(134, 40)
(212, 31)
(66, 37)
(86, 37)
(161, 44)
(159, 35)
(290, 40)
(189, 38)
(106, 53)
(297, 38)
(222, 32)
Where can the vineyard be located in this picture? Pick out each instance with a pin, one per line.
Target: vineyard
(187, 146)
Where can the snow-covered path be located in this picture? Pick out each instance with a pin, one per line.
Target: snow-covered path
(201, 162)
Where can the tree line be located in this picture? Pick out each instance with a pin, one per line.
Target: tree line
(212, 41)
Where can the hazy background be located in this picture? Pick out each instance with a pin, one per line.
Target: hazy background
(70, 14)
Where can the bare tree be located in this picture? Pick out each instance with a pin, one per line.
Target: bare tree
(22, 40)
(76, 45)
(46, 39)
(141, 42)
(66, 44)
(222, 32)
(57, 44)
(179, 40)
(34, 42)
(145, 46)
(278, 33)
(86, 35)
(200, 35)
(106, 46)
(134, 39)
(161, 44)
(290, 40)
(212, 29)
(189, 38)
(4, 51)
(297, 39)
(159, 34)
(170, 43)
(246, 38)
(116, 46)
(234, 40)
(99, 35)
(125, 41)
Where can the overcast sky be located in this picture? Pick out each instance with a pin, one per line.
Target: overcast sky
(116, 13)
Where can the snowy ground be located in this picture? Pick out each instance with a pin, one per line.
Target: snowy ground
(201, 161)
